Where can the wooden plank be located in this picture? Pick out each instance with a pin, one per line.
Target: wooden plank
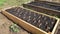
(54, 29)
(49, 1)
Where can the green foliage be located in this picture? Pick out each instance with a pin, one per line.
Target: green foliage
(7, 3)
(2, 2)
(14, 28)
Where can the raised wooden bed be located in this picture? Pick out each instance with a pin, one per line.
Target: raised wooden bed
(43, 10)
(35, 22)
(46, 5)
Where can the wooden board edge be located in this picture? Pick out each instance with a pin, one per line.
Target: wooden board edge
(8, 8)
(54, 29)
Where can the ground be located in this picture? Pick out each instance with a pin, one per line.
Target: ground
(5, 24)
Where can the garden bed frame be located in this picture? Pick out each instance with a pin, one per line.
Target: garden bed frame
(28, 26)
(58, 3)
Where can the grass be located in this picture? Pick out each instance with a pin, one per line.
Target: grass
(7, 3)
(2, 2)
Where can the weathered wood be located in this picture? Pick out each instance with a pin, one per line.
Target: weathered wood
(55, 1)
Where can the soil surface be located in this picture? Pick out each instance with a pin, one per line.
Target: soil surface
(46, 5)
(4, 26)
(39, 20)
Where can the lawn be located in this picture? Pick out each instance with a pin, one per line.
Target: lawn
(2, 2)
(7, 3)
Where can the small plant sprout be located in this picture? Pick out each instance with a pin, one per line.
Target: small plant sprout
(14, 28)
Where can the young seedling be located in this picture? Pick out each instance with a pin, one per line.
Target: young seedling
(14, 28)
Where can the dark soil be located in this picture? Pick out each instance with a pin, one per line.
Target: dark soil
(51, 2)
(41, 21)
(45, 4)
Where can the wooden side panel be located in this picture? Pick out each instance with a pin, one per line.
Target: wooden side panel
(54, 29)
(57, 1)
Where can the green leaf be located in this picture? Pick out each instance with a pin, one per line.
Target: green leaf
(14, 28)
